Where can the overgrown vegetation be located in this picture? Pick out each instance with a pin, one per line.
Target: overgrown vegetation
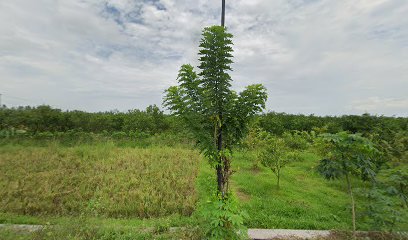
(347, 155)
(98, 180)
(82, 228)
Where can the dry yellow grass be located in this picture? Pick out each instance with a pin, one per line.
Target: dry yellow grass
(98, 180)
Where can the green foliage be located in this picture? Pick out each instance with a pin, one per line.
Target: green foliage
(402, 141)
(382, 210)
(264, 143)
(298, 140)
(47, 119)
(256, 139)
(205, 101)
(218, 117)
(277, 155)
(223, 218)
(387, 198)
(347, 154)
(396, 180)
(387, 127)
(119, 139)
(330, 169)
(399, 146)
(390, 132)
(82, 228)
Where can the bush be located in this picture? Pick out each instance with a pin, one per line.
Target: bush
(223, 219)
(297, 140)
(383, 212)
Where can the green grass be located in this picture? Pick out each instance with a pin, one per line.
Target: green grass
(88, 228)
(85, 227)
(304, 201)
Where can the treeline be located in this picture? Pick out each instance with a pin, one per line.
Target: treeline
(153, 120)
(46, 119)
(279, 123)
(389, 134)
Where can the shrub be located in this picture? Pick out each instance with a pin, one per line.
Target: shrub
(297, 140)
(223, 219)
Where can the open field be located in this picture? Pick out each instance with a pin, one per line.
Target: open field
(125, 190)
(304, 201)
(98, 180)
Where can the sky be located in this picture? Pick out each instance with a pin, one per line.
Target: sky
(322, 57)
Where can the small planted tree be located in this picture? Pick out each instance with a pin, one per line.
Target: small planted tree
(255, 142)
(347, 155)
(382, 211)
(396, 180)
(216, 115)
(276, 156)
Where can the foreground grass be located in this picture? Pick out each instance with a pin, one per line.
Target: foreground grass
(84, 228)
(91, 232)
(98, 180)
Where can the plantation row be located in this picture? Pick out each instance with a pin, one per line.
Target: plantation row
(153, 127)
(153, 120)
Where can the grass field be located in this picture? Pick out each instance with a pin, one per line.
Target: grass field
(123, 190)
(98, 180)
(304, 201)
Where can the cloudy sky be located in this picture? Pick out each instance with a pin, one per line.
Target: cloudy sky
(325, 57)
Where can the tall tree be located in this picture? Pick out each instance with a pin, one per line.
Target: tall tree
(216, 115)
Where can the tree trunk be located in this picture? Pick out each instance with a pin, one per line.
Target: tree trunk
(404, 199)
(226, 162)
(278, 175)
(222, 167)
(353, 212)
(220, 179)
(223, 162)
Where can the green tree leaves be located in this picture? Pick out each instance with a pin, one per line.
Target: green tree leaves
(346, 155)
(205, 100)
(218, 118)
(276, 155)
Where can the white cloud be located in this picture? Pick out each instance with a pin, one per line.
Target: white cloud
(380, 105)
(314, 56)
